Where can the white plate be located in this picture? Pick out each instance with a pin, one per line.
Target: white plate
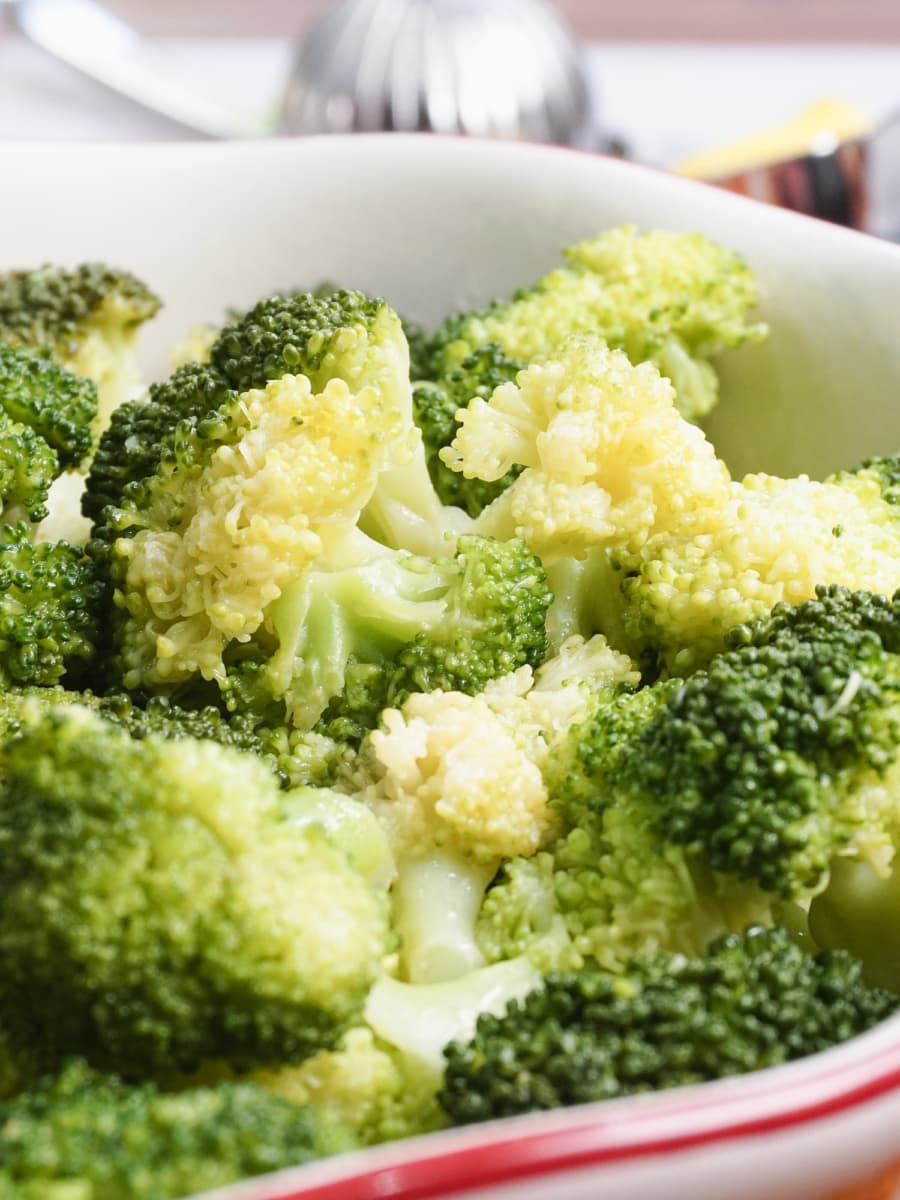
(435, 224)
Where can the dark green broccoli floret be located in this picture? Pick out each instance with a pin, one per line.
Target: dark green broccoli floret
(763, 762)
(299, 334)
(60, 407)
(85, 317)
(144, 434)
(749, 1002)
(52, 307)
(435, 406)
(28, 467)
(155, 905)
(49, 610)
(88, 1135)
(691, 808)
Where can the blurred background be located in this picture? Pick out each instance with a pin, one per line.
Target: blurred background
(678, 20)
(791, 101)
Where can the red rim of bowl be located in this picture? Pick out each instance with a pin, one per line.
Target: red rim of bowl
(525, 1148)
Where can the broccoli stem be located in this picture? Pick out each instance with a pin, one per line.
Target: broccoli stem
(436, 902)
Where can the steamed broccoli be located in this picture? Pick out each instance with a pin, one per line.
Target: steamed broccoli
(675, 300)
(85, 317)
(457, 782)
(50, 618)
(156, 905)
(436, 404)
(672, 552)
(748, 1002)
(691, 807)
(236, 502)
(81, 1133)
(46, 416)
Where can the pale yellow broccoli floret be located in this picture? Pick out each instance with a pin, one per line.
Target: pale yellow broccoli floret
(608, 460)
(673, 299)
(254, 516)
(775, 540)
(455, 776)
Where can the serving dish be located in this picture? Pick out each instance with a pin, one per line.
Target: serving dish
(435, 224)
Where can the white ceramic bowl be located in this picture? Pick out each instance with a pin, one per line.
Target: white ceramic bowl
(435, 224)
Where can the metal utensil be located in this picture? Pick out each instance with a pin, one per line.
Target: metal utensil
(504, 68)
(91, 39)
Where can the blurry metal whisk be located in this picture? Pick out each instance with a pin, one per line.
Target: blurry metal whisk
(501, 68)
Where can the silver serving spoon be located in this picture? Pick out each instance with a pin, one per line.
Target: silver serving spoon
(491, 67)
(505, 68)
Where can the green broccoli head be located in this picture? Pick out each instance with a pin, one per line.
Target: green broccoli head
(783, 752)
(344, 334)
(748, 1002)
(28, 467)
(85, 317)
(144, 434)
(81, 1133)
(435, 406)
(50, 600)
(205, 515)
(46, 416)
(672, 299)
(58, 406)
(156, 905)
(692, 807)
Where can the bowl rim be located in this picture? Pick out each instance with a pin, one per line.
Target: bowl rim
(520, 1150)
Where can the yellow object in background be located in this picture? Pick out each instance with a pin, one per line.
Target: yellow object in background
(818, 129)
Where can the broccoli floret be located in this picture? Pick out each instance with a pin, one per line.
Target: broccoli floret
(675, 300)
(86, 318)
(373, 1089)
(60, 407)
(28, 467)
(45, 425)
(457, 783)
(144, 436)
(157, 905)
(783, 753)
(81, 1133)
(692, 807)
(644, 534)
(207, 515)
(748, 1002)
(457, 790)
(49, 610)
(435, 406)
